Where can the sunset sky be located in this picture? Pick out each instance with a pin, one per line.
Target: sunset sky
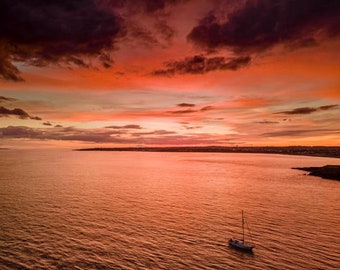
(101, 73)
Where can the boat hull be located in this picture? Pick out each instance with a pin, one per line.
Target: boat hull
(241, 245)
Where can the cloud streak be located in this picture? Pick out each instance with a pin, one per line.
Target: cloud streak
(4, 112)
(125, 127)
(309, 110)
(300, 132)
(186, 105)
(6, 99)
(200, 64)
(156, 137)
(189, 111)
(267, 122)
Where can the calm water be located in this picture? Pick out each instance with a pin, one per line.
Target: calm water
(124, 210)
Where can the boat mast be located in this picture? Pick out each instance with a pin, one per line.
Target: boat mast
(242, 227)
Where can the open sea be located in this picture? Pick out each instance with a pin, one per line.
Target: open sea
(62, 209)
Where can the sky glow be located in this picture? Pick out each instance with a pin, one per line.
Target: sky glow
(169, 73)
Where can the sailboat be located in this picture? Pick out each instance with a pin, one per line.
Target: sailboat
(240, 243)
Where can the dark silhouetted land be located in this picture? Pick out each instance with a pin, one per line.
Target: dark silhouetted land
(327, 172)
(320, 151)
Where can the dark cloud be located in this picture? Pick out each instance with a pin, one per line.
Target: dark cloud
(47, 124)
(7, 70)
(259, 25)
(125, 127)
(266, 122)
(20, 132)
(186, 105)
(58, 126)
(200, 64)
(35, 118)
(206, 108)
(187, 111)
(309, 110)
(302, 110)
(65, 33)
(152, 5)
(183, 111)
(146, 21)
(301, 132)
(192, 127)
(6, 99)
(17, 112)
(328, 107)
(43, 32)
(147, 6)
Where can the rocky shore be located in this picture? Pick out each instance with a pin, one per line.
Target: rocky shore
(327, 172)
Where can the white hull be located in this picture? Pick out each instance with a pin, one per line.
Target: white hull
(241, 244)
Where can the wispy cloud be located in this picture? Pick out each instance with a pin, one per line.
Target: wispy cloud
(309, 110)
(267, 122)
(189, 111)
(186, 105)
(125, 127)
(300, 132)
(156, 137)
(200, 64)
(6, 99)
(17, 112)
(183, 111)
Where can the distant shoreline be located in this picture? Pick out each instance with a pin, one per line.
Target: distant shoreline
(316, 151)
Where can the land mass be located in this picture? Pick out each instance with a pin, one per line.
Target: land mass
(320, 151)
(326, 172)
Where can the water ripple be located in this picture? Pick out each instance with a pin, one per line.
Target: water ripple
(164, 211)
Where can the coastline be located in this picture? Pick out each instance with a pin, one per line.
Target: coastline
(317, 151)
(331, 172)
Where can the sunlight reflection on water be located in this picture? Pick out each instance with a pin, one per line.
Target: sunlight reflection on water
(124, 210)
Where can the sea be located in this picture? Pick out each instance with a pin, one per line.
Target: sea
(63, 209)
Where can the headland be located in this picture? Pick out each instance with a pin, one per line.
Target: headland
(327, 172)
